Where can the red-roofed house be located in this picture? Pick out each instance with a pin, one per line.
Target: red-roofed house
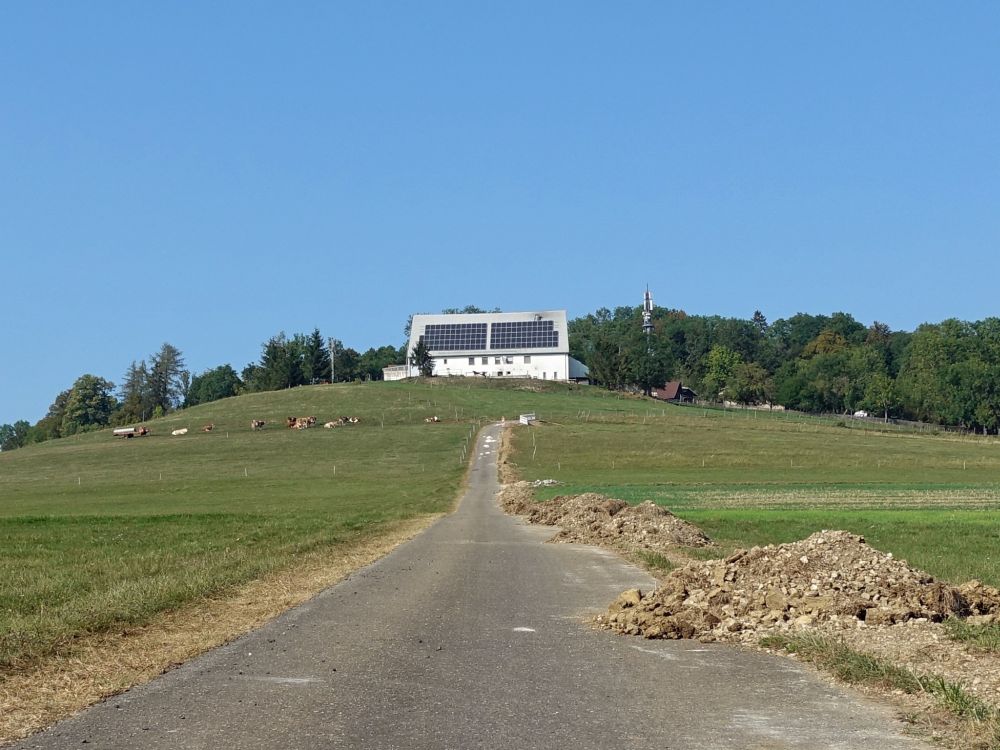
(675, 391)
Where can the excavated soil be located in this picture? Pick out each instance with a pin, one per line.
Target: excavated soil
(831, 583)
(834, 584)
(831, 577)
(592, 518)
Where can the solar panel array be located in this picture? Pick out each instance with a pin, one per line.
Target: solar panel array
(455, 336)
(524, 334)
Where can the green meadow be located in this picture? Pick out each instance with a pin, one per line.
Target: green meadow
(751, 478)
(98, 532)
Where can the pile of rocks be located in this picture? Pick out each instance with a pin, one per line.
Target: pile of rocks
(832, 578)
(592, 518)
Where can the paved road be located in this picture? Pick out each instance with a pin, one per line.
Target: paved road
(471, 636)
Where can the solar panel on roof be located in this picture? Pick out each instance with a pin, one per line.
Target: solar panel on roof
(455, 336)
(524, 334)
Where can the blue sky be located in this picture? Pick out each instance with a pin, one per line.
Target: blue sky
(211, 174)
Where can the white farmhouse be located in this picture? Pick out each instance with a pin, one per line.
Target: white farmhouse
(497, 345)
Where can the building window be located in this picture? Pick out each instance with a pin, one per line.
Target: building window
(508, 360)
(527, 359)
(555, 376)
(472, 360)
(545, 375)
(496, 360)
(486, 360)
(445, 360)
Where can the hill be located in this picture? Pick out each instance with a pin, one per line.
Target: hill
(101, 536)
(98, 531)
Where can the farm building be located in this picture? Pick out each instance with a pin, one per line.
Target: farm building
(395, 372)
(498, 345)
(675, 391)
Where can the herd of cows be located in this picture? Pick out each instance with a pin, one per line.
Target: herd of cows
(302, 423)
(293, 423)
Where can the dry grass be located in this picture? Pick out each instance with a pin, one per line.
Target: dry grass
(506, 469)
(853, 497)
(36, 695)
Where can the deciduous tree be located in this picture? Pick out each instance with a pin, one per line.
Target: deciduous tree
(14, 435)
(90, 404)
(212, 385)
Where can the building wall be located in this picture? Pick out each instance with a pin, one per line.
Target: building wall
(395, 372)
(507, 365)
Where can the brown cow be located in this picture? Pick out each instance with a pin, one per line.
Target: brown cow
(257, 424)
(209, 427)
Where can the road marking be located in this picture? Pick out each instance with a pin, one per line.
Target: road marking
(661, 654)
(287, 680)
(524, 630)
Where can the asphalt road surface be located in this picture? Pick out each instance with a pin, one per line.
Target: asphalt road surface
(472, 635)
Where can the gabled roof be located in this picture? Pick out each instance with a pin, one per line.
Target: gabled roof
(544, 332)
(674, 391)
(671, 390)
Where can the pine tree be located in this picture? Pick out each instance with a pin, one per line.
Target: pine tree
(421, 359)
(316, 359)
(134, 394)
(166, 378)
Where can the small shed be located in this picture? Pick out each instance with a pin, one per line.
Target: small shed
(675, 391)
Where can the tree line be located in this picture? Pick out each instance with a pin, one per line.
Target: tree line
(161, 384)
(946, 373)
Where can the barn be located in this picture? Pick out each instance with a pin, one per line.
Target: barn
(675, 391)
(498, 345)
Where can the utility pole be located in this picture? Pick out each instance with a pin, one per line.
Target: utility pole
(333, 354)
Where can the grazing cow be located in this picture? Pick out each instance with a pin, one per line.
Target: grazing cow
(290, 421)
(331, 425)
(209, 427)
(302, 423)
(257, 424)
(432, 419)
(182, 431)
(353, 420)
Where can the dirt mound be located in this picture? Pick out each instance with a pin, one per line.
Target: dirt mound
(592, 518)
(638, 524)
(981, 599)
(580, 511)
(517, 498)
(831, 577)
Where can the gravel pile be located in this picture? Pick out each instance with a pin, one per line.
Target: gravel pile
(831, 577)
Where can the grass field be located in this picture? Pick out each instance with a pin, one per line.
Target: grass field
(98, 532)
(751, 479)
